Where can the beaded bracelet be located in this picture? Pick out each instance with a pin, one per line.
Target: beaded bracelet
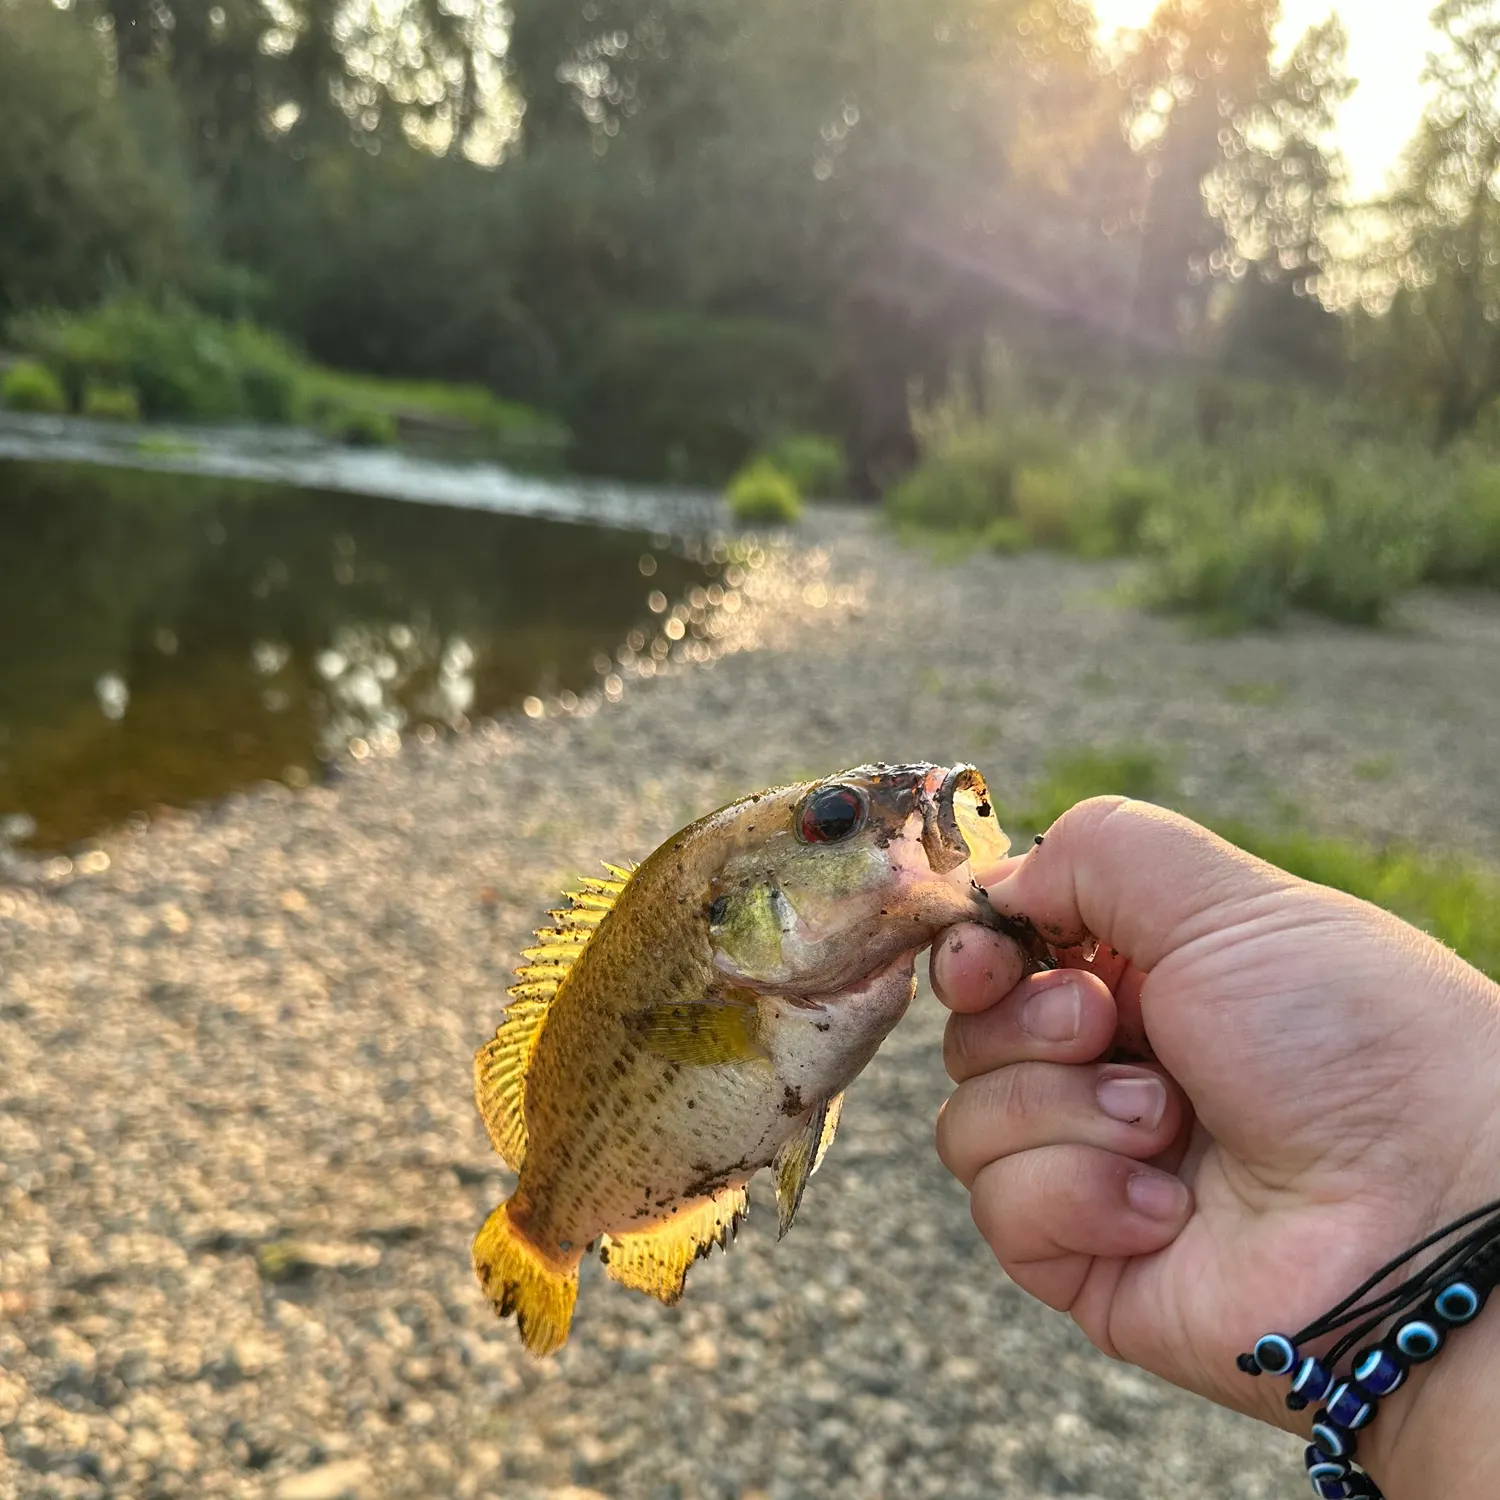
(1421, 1311)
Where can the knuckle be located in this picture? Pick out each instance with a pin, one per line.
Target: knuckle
(1018, 1091)
(959, 1046)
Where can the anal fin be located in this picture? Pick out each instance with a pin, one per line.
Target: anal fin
(800, 1157)
(656, 1260)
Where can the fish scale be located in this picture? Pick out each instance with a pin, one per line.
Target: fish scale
(683, 1024)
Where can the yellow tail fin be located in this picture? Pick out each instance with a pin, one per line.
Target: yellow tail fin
(517, 1279)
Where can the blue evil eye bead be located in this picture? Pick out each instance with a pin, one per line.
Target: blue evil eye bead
(1348, 1408)
(1457, 1303)
(1418, 1340)
(1320, 1466)
(1376, 1373)
(1311, 1382)
(1332, 1440)
(1331, 1489)
(1275, 1353)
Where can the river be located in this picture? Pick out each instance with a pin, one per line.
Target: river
(183, 613)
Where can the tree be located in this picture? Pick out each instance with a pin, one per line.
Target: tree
(1198, 67)
(82, 206)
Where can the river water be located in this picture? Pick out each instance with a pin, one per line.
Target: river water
(186, 613)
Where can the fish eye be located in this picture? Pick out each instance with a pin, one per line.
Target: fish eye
(831, 813)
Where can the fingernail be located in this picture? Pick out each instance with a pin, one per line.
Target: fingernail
(1054, 1014)
(1156, 1196)
(1135, 1101)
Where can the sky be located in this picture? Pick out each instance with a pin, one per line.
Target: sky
(1388, 42)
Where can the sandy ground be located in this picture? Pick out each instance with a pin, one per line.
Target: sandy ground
(240, 1166)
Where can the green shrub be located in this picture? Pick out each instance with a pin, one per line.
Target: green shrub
(1006, 535)
(1131, 497)
(1467, 546)
(180, 363)
(28, 386)
(1052, 507)
(110, 403)
(359, 426)
(963, 483)
(1239, 549)
(688, 396)
(761, 494)
(814, 463)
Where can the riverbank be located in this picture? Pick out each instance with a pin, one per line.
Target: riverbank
(241, 1167)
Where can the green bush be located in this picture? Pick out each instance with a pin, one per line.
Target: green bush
(963, 483)
(1131, 497)
(1052, 507)
(360, 426)
(814, 463)
(1242, 550)
(110, 403)
(688, 396)
(181, 364)
(1467, 546)
(761, 494)
(28, 386)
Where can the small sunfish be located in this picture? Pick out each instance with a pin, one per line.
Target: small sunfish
(685, 1023)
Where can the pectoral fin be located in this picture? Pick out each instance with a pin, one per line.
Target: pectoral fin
(704, 1033)
(656, 1261)
(801, 1157)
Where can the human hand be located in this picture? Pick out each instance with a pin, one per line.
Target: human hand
(1323, 1094)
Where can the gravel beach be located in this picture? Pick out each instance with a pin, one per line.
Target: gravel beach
(240, 1166)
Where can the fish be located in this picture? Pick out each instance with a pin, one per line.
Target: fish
(684, 1023)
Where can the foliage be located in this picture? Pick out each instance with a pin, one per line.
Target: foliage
(1243, 501)
(359, 426)
(813, 462)
(28, 386)
(180, 363)
(690, 396)
(760, 494)
(1433, 268)
(1467, 548)
(1244, 554)
(432, 400)
(110, 403)
(89, 194)
(1456, 900)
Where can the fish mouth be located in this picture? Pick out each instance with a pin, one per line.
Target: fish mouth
(942, 838)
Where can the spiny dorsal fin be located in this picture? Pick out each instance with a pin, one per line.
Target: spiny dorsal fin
(500, 1065)
(656, 1261)
(800, 1157)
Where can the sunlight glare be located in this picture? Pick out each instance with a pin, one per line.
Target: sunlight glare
(1388, 42)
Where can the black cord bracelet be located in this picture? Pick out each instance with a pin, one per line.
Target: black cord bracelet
(1420, 1312)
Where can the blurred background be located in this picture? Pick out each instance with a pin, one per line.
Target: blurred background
(444, 443)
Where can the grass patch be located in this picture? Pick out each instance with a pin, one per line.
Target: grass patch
(462, 405)
(1455, 899)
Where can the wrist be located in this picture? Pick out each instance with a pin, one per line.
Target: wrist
(1439, 1436)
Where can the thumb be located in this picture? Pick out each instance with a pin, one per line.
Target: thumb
(1138, 878)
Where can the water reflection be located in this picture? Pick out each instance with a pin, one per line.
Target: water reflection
(166, 638)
